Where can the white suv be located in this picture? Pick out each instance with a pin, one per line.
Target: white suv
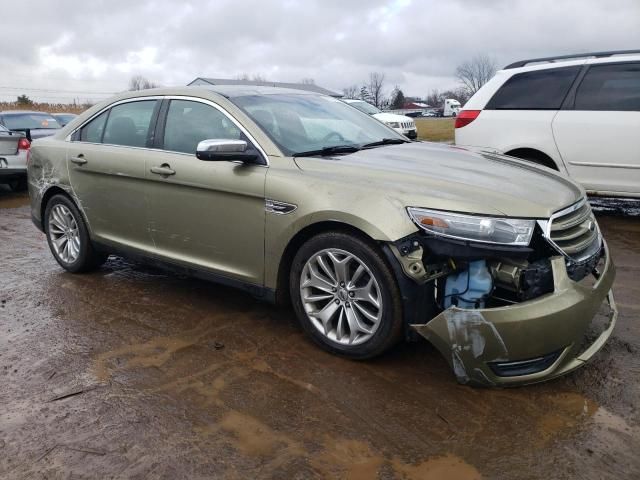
(401, 124)
(579, 114)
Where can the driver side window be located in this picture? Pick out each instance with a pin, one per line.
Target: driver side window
(188, 123)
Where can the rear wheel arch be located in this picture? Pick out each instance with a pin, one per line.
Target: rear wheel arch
(57, 190)
(535, 156)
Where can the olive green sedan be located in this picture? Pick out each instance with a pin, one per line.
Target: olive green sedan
(300, 198)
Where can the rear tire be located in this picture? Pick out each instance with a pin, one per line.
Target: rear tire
(345, 295)
(68, 236)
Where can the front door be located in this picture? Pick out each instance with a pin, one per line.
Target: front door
(107, 172)
(208, 214)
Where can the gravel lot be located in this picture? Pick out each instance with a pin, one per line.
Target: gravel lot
(131, 373)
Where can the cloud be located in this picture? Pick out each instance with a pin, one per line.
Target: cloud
(69, 46)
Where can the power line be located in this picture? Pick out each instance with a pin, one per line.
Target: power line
(81, 92)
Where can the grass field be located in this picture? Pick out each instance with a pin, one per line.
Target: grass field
(45, 107)
(435, 129)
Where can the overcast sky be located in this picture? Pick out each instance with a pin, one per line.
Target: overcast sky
(57, 50)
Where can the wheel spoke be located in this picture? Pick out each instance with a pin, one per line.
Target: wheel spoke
(370, 316)
(362, 326)
(326, 314)
(356, 276)
(340, 331)
(353, 324)
(316, 281)
(340, 266)
(366, 294)
(325, 268)
(318, 298)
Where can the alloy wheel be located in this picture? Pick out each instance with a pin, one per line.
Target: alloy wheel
(64, 234)
(341, 296)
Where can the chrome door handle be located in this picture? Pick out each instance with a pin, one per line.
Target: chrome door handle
(163, 169)
(79, 160)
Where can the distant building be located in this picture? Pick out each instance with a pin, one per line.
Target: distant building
(310, 87)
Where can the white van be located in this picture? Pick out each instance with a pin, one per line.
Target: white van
(579, 114)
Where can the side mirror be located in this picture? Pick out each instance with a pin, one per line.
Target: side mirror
(223, 150)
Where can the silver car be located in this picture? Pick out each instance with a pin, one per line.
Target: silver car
(14, 148)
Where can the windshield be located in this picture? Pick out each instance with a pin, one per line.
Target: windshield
(302, 123)
(364, 107)
(16, 121)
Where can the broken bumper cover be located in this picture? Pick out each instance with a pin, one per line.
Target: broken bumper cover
(531, 341)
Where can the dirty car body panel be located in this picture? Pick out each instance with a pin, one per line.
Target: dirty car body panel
(242, 222)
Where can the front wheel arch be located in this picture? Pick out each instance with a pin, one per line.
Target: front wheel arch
(284, 268)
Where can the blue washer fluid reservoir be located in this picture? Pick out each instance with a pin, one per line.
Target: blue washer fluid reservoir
(469, 288)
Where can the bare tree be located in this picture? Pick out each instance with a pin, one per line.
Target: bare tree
(258, 77)
(474, 73)
(308, 81)
(350, 91)
(138, 82)
(375, 88)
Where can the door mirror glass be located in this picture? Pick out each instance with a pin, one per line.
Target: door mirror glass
(223, 150)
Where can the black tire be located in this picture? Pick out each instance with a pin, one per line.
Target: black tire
(88, 258)
(390, 328)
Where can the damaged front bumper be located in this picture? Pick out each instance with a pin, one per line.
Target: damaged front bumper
(531, 341)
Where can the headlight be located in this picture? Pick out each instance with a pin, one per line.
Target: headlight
(393, 124)
(506, 231)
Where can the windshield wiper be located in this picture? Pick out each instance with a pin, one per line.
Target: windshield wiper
(329, 151)
(385, 141)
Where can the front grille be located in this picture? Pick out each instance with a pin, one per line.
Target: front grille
(574, 231)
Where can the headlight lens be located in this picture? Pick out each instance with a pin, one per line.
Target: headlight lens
(393, 124)
(506, 231)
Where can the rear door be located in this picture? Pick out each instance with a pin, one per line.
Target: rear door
(106, 160)
(208, 214)
(598, 134)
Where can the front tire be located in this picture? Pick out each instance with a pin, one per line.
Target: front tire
(345, 295)
(68, 236)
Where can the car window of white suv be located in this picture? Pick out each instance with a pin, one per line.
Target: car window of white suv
(614, 87)
(536, 90)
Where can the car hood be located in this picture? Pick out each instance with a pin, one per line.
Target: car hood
(392, 117)
(451, 178)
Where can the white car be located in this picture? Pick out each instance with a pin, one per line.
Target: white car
(579, 114)
(400, 123)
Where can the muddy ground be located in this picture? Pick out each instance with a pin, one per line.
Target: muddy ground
(131, 373)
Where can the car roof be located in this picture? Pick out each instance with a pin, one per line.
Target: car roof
(613, 55)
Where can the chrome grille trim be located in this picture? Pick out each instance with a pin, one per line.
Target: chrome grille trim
(573, 232)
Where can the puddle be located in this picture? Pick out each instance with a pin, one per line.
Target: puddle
(13, 200)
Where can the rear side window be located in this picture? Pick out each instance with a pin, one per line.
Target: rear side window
(188, 123)
(128, 124)
(537, 90)
(92, 131)
(610, 87)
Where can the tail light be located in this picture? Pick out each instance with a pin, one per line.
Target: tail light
(465, 117)
(24, 144)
